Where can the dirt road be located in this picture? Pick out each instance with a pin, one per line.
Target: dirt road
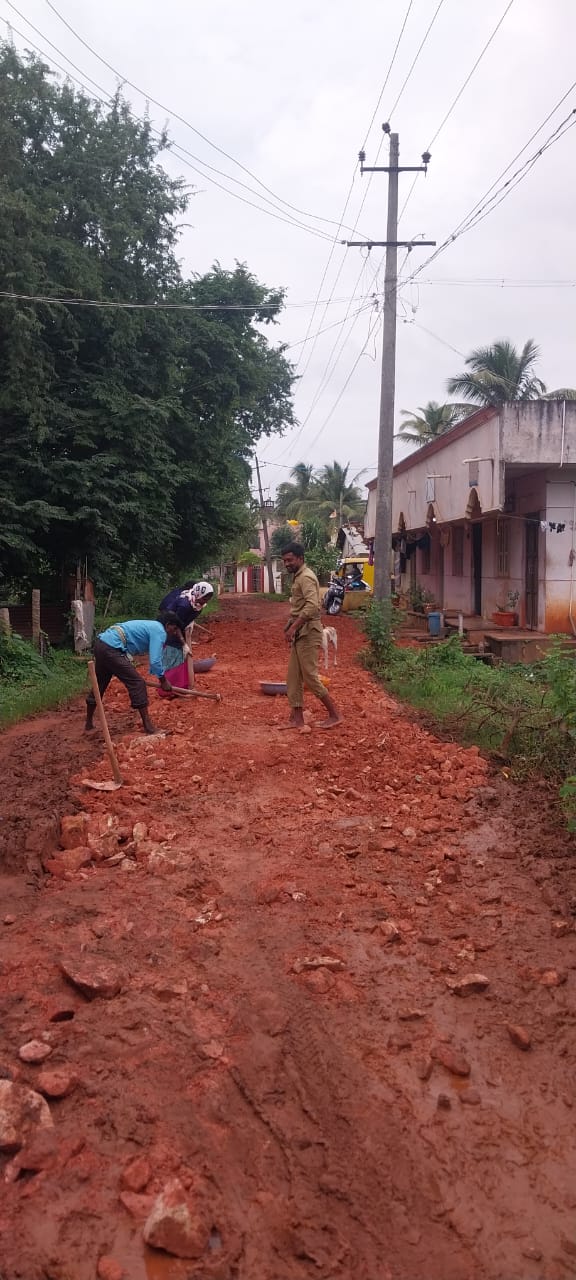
(271, 951)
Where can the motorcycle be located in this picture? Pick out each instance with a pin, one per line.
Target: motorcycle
(334, 598)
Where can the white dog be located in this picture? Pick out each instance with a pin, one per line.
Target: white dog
(329, 636)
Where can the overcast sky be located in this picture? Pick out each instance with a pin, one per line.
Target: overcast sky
(289, 91)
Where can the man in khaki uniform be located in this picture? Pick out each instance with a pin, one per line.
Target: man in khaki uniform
(304, 635)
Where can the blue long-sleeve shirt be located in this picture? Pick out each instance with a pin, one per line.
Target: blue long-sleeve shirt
(141, 637)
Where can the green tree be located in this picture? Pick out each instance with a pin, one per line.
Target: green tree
(498, 374)
(336, 495)
(429, 422)
(294, 497)
(125, 434)
(281, 538)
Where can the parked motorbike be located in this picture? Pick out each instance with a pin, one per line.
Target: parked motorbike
(334, 598)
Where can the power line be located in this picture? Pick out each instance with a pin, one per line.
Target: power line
(146, 306)
(423, 42)
(351, 188)
(176, 149)
(481, 211)
(371, 331)
(456, 100)
(162, 106)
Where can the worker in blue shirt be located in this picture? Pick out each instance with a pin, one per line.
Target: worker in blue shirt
(113, 649)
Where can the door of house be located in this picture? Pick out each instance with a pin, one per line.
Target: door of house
(477, 568)
(531, 565)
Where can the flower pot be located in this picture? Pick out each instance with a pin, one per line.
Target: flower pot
(504, 618)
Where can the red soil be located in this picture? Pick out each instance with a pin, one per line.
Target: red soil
(353, 1121)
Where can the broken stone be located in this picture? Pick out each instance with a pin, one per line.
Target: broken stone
(56, 1083)
(34, 1051)
(470, 1098)
(552, 978)
(139, 831)
(136, 1175)
(109, 1268)
(65, 862)
(92, 978)
(472, 984)
(443, 1102)
(73, 830)
(177, 1224)
(424, 1068)
(390, 931)
(138, 1206)
(212, 1049)
(451, 1059)
(535, 1255)
(560, 928)
(388, 846)
(519, 1036)
(320, 980)
(317, 962)
(409, 833)
(411, 1015)
(9, 920)
(22, 1113)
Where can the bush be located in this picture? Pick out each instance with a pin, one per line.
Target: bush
(19, 661)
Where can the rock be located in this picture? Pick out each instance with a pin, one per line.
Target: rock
(136, 1175)
(74, 830)
(552, 978)
(320, 980)
(39, 1152)
(443, 1102)
(451, 873)
(411, 1015)
(109, 1268)
(34, 1051)
(177, 1224)
(139, 831)
(57, 1082)
(9, 920)
(388, 846)
(470, 1098)
(429, 939)
(409, 833)
(559, 928)
(424, 1068)
(451, 1059)
(518, 1035)
(138, 1206)
(92, 977)
(390, 931)
(472, 984)
(22, 1113)
(66, 862)
(317, 962)
(212, 1049)
(535, 1255)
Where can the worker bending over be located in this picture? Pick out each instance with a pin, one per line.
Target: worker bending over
(113, 650)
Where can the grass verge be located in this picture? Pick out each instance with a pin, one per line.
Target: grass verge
(39, 690)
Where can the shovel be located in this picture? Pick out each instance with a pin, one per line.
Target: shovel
(189, 693)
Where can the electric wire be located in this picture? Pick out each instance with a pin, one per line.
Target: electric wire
(187, 157)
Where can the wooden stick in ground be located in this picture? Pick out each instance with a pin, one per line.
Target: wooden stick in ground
(105, 730)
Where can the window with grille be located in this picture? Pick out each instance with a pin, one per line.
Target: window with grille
(458, 551)
(502, 548)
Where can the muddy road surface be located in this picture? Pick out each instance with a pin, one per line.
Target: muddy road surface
(286, 1005)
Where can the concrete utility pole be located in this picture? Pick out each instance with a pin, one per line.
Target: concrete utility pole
(267, 553)
(383, 531)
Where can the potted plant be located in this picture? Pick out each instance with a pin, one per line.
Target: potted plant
(505, 614)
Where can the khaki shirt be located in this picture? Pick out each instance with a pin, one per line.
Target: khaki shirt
(305, 601)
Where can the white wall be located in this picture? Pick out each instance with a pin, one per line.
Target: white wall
(452, 491)
(560, 508)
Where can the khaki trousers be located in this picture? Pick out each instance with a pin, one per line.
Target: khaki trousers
(303, 667)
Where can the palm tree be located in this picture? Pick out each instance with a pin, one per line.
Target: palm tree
(429, 421)
(335, 493)
(293, 497)
(498, 374)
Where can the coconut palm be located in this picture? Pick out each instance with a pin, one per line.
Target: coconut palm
(294, 496)
(335, 494)
(498, 374)
(429, 421)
